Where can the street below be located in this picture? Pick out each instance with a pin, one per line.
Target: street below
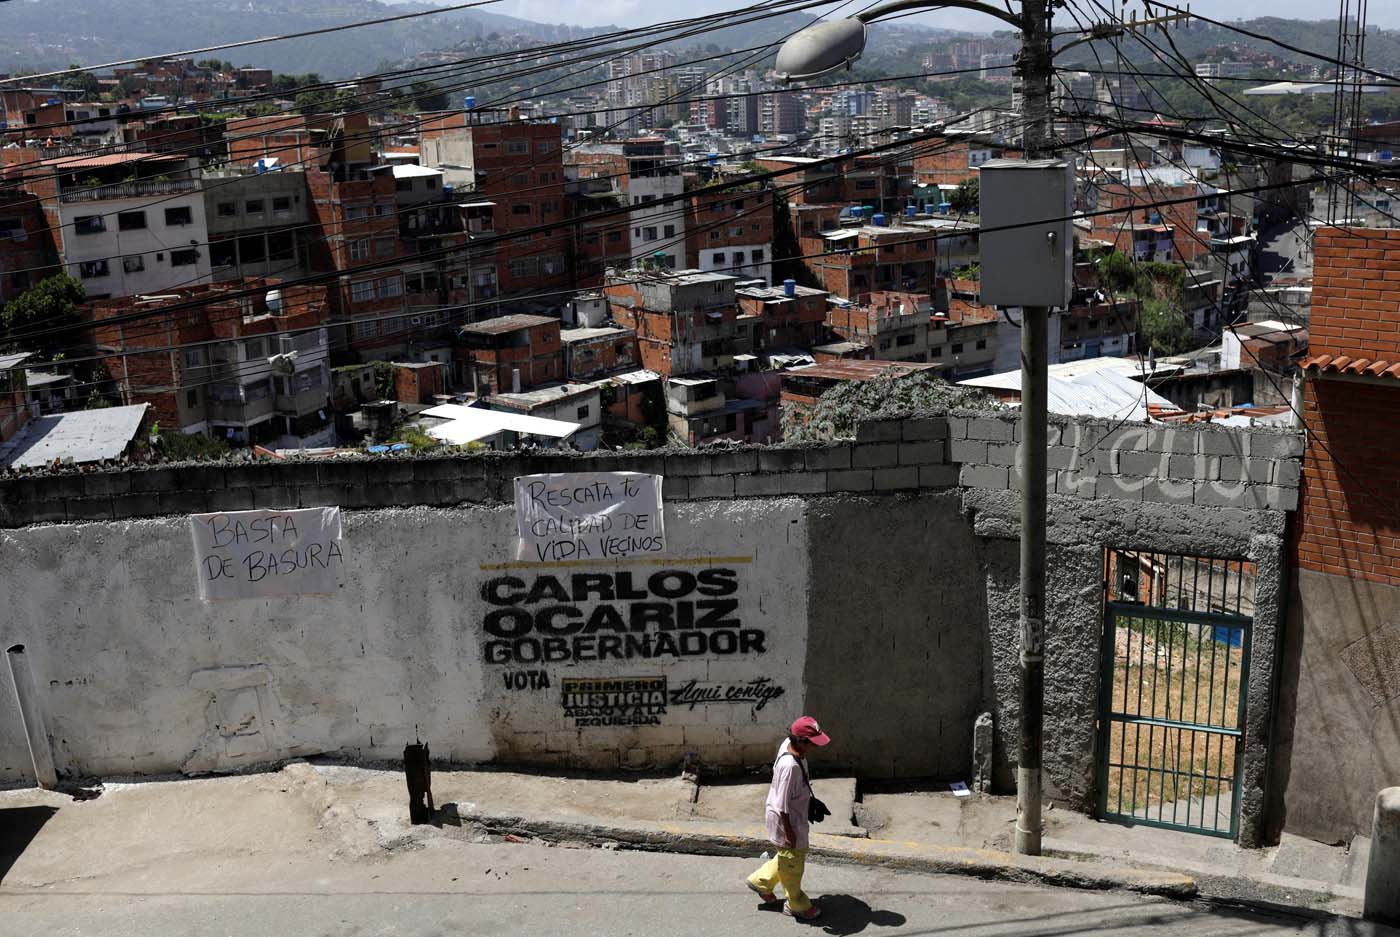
(452, 888)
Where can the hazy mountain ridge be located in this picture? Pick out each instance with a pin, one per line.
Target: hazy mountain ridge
(54, 33)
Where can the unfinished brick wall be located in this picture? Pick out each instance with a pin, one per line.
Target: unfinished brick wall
(1349, 511)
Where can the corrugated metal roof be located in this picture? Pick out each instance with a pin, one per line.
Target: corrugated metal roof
(9, 361)
(1098, 393)
(509, 323)
(82, 161)
(82, 436)
(470, 424)
(862, 370)
(1342, 364)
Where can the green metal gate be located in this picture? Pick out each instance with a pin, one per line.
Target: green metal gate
(1173, 684)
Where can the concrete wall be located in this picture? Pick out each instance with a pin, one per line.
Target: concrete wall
(1338, 736)
(872, 583)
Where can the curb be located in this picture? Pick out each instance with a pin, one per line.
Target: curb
(987, 864)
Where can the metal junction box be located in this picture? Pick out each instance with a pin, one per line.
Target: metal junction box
(1031, 262)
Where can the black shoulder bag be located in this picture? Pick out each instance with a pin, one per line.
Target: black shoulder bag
(816, 810)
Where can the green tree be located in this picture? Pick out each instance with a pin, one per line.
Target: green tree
(786, 247)
(84, 81)
(179, 447)
(1163, 328)
(428, 96)
(52, 303)
(967, 197)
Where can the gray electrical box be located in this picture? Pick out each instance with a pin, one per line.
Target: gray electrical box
(1031, 262)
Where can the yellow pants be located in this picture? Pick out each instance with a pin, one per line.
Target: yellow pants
(785, 869)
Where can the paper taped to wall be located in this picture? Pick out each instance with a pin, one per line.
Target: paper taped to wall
(254, 554)
(589, 515)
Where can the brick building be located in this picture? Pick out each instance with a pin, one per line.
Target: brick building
(27, 252)
(591, 353)
(685, 322)
(220, 382)
(519, 166)
(355, 209)
(419, 381)
(1349, 521)
(894, 326)
(729, 230)
(509, 354)
(1140, 224)
(14, 409)
(955, 160)
(784, 316)
(1339, 715)
(853, 262)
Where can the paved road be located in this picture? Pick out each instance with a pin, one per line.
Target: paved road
(450, 887)
(1283, 250)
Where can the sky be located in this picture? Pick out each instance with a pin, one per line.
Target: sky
(641, 12)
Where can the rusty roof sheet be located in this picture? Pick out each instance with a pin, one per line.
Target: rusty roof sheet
(97, 161)
(1344, 364)
(506, 324)
(851, 369)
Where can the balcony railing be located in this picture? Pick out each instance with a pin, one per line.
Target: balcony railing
(140, 188)
(313, 398)
(234, 411)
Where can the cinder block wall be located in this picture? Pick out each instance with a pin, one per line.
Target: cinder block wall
(1195, 464)
(882, 572)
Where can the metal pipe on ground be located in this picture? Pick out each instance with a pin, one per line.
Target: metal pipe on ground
(32, 716)
(418, 773)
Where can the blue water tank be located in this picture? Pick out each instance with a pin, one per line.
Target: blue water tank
(945, 207)
(878, 221)
(911, 210)
(469, 102)
(789, 287)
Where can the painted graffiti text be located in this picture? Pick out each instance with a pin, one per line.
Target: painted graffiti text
(756, 693)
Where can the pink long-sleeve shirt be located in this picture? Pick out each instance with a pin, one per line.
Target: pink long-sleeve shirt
(788, 794)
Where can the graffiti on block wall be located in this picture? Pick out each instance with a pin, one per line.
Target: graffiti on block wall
(621, 701)
(756, 693)
(554, 618)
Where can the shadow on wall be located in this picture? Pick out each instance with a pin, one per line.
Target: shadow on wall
(1338, 714)
(18, 827)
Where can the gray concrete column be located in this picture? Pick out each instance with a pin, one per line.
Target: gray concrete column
(1383, 871)
(30, 713)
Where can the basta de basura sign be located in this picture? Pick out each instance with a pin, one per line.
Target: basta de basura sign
(589, 516)
(253, 554)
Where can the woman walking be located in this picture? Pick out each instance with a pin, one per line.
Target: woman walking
(786, 816)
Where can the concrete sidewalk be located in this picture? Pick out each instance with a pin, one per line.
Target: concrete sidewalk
(358, 813)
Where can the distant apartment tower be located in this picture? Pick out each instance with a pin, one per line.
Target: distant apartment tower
(658, 227)
(782, 112)
(996, 66)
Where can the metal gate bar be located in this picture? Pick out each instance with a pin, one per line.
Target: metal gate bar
(1158, 663)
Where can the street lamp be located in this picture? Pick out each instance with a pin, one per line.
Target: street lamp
(828, 46)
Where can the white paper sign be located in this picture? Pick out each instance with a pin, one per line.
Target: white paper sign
(252, 554)
(589, 515)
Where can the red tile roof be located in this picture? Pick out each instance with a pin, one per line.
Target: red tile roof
(1341, 364)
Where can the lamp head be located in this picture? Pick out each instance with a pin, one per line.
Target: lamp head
(821, 48)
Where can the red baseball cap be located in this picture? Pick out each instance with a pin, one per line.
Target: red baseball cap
(806, 728)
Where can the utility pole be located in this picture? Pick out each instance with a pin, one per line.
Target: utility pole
(830, 45)
(1036, 66)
